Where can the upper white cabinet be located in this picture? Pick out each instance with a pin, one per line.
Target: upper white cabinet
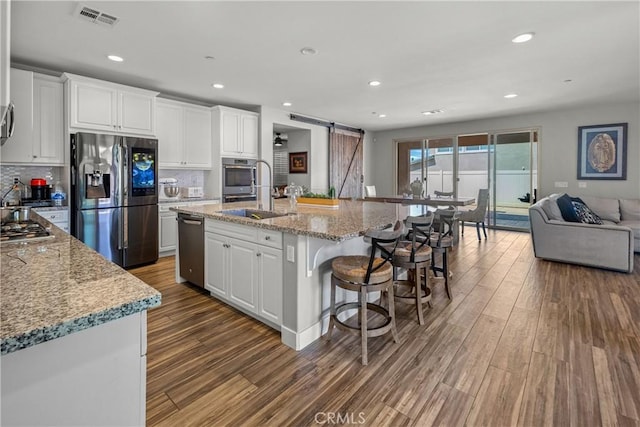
(39, 133)
(184, 135)
(110, 107)
(235, 132)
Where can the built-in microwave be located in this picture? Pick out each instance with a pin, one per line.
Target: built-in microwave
(238, 180)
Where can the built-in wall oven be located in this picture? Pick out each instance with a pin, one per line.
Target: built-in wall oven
(238, 180)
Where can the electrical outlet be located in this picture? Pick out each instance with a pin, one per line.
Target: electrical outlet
(16, 179)
(291, 257)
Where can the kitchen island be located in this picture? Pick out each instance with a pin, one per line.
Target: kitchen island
(72, 335)
(278, 270)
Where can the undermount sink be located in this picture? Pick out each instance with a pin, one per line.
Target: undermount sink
(256, 214)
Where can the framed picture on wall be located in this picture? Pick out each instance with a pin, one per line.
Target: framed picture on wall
(298, 162)
(602, 151)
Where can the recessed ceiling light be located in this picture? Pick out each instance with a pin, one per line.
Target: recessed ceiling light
(286, 104)
(115, 58)
(511, 95)
(382, 116)
(218, 85)
(308, 51)
(374, 83)
(521, 38)
(431, 112)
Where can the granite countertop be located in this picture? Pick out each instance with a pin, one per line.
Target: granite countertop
(350, 220)
(52, 288)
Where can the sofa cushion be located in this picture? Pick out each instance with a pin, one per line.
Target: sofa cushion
(630, 209)
(566, 209)
(605, 208)
(550, 207)
(583, 212)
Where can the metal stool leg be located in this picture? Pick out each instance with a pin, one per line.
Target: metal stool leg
(332, 312)
(363, 323)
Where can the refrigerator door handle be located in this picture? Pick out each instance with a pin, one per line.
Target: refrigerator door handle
(120, 229)
(124, 170)
(125, 229)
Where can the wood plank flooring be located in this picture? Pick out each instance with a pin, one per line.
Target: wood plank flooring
(524, 342)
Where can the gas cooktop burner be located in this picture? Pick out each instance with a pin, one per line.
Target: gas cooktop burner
(23, 231)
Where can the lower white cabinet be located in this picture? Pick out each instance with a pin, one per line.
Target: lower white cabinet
(59, 218)
(168, 230)
(246, 274)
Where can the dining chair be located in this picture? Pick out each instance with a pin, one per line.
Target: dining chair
(478, 214)
(370, 190)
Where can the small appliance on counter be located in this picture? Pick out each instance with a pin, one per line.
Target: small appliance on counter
(40, 194)
(192, 192)
(169, 189)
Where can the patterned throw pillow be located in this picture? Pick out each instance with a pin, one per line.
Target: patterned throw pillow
(584, 214)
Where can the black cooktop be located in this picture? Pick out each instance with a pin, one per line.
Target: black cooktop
(23, 230)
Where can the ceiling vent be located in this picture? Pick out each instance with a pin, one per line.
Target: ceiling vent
(95, 16)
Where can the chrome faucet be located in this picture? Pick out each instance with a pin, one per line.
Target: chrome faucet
(270, 183)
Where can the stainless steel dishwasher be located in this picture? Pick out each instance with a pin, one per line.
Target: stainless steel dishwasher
(191, 248)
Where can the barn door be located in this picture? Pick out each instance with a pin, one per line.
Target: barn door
(345, 163)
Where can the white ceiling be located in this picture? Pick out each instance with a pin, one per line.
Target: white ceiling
(455, 56)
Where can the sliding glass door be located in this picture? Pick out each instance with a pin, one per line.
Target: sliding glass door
(432, 161)
(513, 174)
(504, 162)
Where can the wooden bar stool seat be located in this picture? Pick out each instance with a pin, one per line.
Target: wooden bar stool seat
(364, 275)
(415, 256)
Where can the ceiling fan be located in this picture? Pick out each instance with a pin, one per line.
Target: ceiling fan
(279, 139)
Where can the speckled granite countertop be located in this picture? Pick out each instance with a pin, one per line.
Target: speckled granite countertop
(54, 287)
(188, 200)
(350, 220)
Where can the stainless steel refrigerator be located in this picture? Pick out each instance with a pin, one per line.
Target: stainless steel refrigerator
(114, 196)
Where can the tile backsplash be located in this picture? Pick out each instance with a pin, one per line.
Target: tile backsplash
(7, 172)
(186, 178)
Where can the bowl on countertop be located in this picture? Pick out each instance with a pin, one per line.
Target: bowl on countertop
(171, 191)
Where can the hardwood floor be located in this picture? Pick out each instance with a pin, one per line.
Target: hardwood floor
(523, 342)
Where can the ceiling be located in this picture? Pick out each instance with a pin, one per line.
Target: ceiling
(454, 56)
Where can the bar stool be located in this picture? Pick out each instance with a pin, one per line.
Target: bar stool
(442, 238)
(365, 274)
(414, 255)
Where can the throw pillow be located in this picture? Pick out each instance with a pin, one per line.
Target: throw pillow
(586, 215)
(566, 208)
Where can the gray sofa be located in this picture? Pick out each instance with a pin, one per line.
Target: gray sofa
(610, 245)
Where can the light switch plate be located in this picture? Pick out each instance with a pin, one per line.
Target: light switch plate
(561, 184)
(291, 253)
(582, 185)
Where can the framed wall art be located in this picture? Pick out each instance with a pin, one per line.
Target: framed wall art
(602, 151)
(298, 162)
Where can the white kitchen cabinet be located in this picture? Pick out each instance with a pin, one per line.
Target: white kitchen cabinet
(109, 107)
(58, 217)
(168, 230)
(184, 135)
(270, 278)
(39, 135)
(244, 268)
(235, 132)
(215, 268)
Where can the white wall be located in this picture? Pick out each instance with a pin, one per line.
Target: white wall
(318, 148)
(558, 147)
